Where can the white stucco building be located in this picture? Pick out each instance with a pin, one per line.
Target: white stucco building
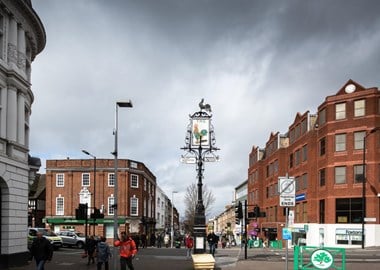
(22, 37)
(161, 210)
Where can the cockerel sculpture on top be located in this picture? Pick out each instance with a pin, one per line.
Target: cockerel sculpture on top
(205, 107)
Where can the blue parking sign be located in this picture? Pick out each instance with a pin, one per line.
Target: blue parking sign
(286, 234)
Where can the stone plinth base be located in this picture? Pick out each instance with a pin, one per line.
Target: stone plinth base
(203, 261)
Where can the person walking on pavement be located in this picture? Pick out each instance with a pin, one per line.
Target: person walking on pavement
(212, 240)
(189, 243)
(41, 250)
(166, 240)
(127, 251)
(90, 248)
(159, 240)
(103, 254)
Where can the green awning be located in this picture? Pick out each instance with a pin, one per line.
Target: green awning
(82, 221)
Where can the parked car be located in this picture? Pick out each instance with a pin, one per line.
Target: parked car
(54, 239)
(71, 238)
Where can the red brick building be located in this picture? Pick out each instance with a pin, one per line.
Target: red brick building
(71, 181)
(324, 153)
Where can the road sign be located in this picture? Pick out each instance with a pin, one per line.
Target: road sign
(211, 159)
(370, 219)
(286, 234)
(188, 160)
(300, 197)
(287, 190)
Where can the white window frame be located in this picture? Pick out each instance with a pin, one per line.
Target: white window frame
(134, 182)
(340, 111)
(111, 179)
(110, 209)
(359, 108)
(304, 153)
(340, 175)
(359, 140)
(340, 142)
(60, 180)
(322, 116)
(59, 206)
(134, 206)
(358, 171)
(89, 180)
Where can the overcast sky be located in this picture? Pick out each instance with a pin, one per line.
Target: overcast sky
(257, 63)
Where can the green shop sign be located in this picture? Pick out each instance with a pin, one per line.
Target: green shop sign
(82, 221)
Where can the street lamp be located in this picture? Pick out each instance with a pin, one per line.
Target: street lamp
(122, 104)
(93, 204)
(172, 230)
(364, 181)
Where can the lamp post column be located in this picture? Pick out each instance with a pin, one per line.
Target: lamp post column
(363, 189)
(200, 218)
(116, 185)
(364, 181)
(94, 197)
(116, 189)
(94, 204)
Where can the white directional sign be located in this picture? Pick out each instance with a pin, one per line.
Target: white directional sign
(189, 160)
(211, 158)
(287, 190)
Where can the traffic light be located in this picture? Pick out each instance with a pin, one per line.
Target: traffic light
(96, 214)
(238, 213)
(256, 211)
(81, 212)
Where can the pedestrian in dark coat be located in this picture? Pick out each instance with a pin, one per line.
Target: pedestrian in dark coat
(159, 240)
(103, 254)
(90, 249)
(212, 240)
(41, 250)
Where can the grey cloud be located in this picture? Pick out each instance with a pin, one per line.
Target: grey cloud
(257, 63)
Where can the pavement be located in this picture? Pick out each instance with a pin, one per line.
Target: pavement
(226, 259)
(275, 259)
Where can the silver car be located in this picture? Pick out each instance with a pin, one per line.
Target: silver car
(71, 239)
(54, 239)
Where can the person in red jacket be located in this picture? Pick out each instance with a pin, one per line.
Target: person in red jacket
(189, 243)
(127, 250)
